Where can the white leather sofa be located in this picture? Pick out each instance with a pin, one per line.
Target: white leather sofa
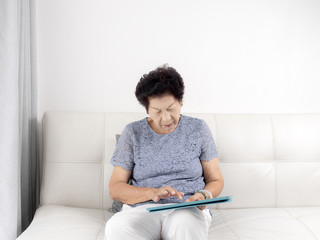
(270, 163)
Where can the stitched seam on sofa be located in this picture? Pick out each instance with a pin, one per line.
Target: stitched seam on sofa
(275, 163)
(308, 215)
(266, 161)
(276, 184)
(227, 224)
(99, 230)
(301, 161)
(250, 207)
(40, 219)
(243, 220)
(259, 218)
(102, 184)
(239, 159)
(63, 206)
(75, 162)
(273, 139)
(302, 223)
(103, 163)
(308, 229)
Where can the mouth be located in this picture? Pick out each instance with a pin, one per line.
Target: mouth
(169, 125)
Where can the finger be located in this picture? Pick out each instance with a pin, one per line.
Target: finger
(201, 207)
(159, 194)
(190, 199)
(170, 190)
(164, 193)
(174, 192)
(195, 197)
(181, 195)
(199, 196)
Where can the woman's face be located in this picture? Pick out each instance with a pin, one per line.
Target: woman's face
(164, 113)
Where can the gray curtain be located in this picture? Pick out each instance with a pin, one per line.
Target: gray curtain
(18, 117)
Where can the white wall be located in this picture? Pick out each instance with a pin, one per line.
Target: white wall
(235, 56)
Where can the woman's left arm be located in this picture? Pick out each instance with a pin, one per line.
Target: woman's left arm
(213, 179)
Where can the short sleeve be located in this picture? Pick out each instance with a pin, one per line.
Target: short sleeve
(208, 146)
(123, 154)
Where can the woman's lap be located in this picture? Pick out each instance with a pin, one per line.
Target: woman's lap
(137, 223)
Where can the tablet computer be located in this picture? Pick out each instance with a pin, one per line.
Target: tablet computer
(191, 204)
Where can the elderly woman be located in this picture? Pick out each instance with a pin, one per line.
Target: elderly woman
(169, 158)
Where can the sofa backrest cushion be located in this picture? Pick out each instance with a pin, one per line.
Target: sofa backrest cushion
(267, 160)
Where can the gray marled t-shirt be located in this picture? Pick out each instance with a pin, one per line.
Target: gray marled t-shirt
(171, 159)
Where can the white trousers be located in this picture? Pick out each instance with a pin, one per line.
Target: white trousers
(138, 223)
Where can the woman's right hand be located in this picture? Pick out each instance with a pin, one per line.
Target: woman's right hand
(120, 189)
(166, 192)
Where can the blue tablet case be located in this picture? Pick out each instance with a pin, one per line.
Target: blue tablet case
(191, 204)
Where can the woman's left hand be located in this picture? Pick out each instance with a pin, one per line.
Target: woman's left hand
(197, 197)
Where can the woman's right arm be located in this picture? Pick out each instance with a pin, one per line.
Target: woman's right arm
(120, 189)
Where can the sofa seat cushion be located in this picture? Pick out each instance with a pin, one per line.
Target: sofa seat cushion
(266, 224)
(52, 222)
(66, 223)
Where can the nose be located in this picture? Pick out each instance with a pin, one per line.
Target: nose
(166, 117)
